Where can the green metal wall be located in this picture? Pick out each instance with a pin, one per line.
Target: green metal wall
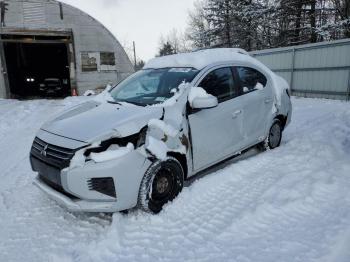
(319, 70)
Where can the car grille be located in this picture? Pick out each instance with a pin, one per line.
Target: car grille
(48, 160)
(56, 156)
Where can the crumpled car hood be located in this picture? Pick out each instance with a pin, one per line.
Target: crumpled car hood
(93, 121)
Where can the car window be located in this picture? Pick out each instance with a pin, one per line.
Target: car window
(251, 79)
(220, 83)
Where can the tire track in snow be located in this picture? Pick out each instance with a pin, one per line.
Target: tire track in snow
(253, 210)
(206, 216)
(30, 222)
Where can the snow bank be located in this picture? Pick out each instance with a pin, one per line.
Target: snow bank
(114, 152)
(288, 204)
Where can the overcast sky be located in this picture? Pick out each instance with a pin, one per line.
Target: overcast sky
(142, 21)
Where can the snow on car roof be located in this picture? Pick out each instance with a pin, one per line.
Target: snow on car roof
(199, 59)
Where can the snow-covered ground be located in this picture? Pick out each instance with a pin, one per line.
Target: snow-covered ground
(288, 204)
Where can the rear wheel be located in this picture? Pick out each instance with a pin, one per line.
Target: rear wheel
(162, 183)
(274, 137)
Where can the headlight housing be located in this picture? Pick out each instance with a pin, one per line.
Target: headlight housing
(137, 140)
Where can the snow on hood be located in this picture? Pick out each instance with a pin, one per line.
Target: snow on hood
(92, 121)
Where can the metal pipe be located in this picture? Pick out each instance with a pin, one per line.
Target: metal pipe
(348, 96)
(292, 70)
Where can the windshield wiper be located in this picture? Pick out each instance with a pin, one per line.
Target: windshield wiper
(114, 103)
(125, 101)
(134, 103)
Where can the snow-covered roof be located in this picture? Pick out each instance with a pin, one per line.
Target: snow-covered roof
(199, 59)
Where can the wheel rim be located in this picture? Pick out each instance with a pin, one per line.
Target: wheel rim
(275, 135)
(163, 186)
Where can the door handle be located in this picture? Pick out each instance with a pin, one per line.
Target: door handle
(268, 100)
(236, 113)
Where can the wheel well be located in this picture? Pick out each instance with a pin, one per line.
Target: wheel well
(183, 161)
(282, 119)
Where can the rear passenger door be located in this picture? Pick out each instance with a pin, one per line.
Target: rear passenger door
(215, 132)
(257, 102)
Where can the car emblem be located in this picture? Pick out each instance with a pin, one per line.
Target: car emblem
(43, 152)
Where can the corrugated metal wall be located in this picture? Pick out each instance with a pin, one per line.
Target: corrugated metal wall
(319, 70)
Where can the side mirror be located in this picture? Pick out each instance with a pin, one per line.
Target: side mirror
(204, 102)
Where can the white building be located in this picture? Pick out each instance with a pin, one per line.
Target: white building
(45, 39)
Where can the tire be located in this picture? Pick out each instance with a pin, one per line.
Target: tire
(274, 137)
(162, 183)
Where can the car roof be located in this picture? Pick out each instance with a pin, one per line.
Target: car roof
(201, 58)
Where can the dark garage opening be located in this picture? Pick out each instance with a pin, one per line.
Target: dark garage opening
(37, 69)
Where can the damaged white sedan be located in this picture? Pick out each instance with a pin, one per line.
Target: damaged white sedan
(136, 144)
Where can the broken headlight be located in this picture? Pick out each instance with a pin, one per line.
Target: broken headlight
(137, 140)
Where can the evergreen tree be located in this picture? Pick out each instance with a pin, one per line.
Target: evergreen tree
(198, 31)
(139, 65)
(260, 24)
(166, 49)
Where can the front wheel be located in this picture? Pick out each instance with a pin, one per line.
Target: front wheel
(274, 137)
(162, 183)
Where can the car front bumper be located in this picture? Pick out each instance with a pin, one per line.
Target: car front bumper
(127, 173)
(71, 204)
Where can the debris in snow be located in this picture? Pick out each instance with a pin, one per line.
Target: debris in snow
(167, 129)
(111, 153)
(197, 92)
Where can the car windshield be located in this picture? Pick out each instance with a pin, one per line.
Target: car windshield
(152, 86)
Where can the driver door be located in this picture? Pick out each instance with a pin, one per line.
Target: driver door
(216, 132)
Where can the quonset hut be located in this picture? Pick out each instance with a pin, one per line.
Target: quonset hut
(46, 42)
